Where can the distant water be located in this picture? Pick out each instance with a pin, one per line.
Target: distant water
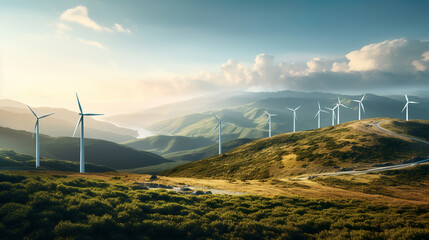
(144, 133)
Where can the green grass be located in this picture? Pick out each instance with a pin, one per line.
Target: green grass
(348, 145)
(45, 206)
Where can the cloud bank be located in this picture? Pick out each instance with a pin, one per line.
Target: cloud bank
(387, 65)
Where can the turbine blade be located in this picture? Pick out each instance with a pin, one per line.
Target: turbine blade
(318, 104)
(339, 101)
(272, 115)
(324, 111)
(290, 109)
(363, 108)
(406, 105)
(77, 125)
(78, 102)
(35, 126)
(356, 101)
(363, 97)
(92, 114)
(406, 97)
(268, 119)
(32, 111)
(413, 102)
(216, 117)
(344, 105)
(47, 115)
(297, 108)
(318, 112)
(217, 126)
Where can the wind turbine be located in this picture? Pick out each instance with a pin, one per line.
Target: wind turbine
(220, 132)
(294, 116)
(82, 138)
(406, 107)
(318, 114)
(333, 114)
(339, 104)
(360, 104)
(36, 129)
(269, 122)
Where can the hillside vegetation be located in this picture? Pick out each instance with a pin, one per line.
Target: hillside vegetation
(36, 205)
(414, 128)
(10, 160)
(99, 152)
(166, 144)
(351, 145)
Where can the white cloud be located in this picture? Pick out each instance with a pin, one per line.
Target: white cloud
(80, 16)
(117, 27)
(92, 43)
(398, 63)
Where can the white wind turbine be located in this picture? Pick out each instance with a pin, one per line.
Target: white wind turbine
(82, 138)
(360, 104)
(318, 114)
(294, 116)
(406, 107)
(36, 129)
(333, 114)
(219, 125)
(339, 104)
(269, 122)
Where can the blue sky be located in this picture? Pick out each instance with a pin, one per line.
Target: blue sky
(182, 42)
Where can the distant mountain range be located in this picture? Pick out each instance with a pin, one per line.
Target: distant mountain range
(99, 152)
(246, 113)
(16, 115)
(351, 145)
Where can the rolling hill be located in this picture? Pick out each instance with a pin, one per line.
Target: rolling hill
(10, 160)
(99, 152)
(248, 120)
(351, 145)
(166, 144)
(16, 115)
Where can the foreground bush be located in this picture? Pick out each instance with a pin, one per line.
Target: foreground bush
(55, 207)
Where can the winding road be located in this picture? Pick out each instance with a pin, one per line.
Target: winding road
(397, 166)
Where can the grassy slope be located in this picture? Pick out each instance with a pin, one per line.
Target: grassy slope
(43, 205)
(10, 160)
(393, 183)
(98, 152)
(182, 157)
(416, 128)
(166, 144)
(206, 152)
(348, 145)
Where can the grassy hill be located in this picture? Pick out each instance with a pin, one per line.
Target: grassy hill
(206, 152)
(99, 152)
(45, 205)
(248, 120)
(351, 145)
(415, 128)
(10, 160)
(166, 144)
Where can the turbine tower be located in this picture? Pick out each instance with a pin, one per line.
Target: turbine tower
(333, 114)
(318, 114)
(294, 116)
(360, 104)
(269, 122)
(339, 104)
(406, 107)
(82, 138)
(36, 130)
(219, 125)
